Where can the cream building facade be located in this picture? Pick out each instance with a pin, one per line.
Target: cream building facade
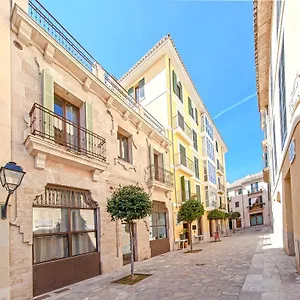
(78, 134)
(276, 31)
(249, 196)
(197, 155)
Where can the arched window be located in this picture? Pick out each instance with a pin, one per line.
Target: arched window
(64, 223)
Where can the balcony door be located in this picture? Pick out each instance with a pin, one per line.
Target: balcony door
(180, 121)
(66, 130)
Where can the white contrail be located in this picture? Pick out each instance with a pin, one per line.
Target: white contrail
(233, 106)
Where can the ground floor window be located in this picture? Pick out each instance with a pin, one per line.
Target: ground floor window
(158, 226)
(64, 224)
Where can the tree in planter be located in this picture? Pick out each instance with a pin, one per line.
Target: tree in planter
(234, 216)
(190, 211)
(216, 215)
(129, 203)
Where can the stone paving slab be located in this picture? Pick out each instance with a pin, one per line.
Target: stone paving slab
(241, 267)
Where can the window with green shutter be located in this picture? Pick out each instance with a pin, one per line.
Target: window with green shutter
(130, 92)
(196, 116)
(182, 185)
(195, 140)
(198, 192)
(196, 165)
(190, 106)
(174, 82)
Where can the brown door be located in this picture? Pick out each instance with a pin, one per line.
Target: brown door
(200, 229)
(211, 228)
(238, 223)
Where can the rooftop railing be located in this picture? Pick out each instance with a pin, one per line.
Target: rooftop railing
(63, 37)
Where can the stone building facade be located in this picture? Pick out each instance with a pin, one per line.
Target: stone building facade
(78, 135)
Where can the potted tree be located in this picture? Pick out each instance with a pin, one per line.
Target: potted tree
(216, 215)
(129, 203)
(188, 212)
(234, 216)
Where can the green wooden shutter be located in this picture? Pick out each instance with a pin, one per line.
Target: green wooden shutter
(190, 106)
(89, 125)
(174, 82)
(196, 116)
(182, 184)
(48, 102)
(179, 93)
(198, 192)
(189, 189)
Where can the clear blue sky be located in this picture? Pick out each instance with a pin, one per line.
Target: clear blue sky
(215, 41)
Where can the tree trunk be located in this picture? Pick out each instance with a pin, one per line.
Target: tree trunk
(191, 237)
(131, 249)
(233, 225)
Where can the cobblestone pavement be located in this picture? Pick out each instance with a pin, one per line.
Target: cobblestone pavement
(244, 266)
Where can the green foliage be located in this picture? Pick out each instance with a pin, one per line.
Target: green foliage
(128, 203)
(216, 214)
(226, 215)
(190, 211)
(235, 215)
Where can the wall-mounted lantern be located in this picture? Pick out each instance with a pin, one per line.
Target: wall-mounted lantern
(11, 176)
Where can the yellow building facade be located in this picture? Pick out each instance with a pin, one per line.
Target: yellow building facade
(160, 82)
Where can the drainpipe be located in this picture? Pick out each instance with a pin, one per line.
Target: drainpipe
(171, 115)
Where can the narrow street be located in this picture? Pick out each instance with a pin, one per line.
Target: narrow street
(244, 266)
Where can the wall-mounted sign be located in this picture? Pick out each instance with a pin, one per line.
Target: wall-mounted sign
(292, 151)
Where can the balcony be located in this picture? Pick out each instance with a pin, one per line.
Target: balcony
(53, 136)
(221, 188)
(254, 191)
(40, 28)
(223, 206)
(256, 206)
(184, 164)
(159, 177)
(210, 205)
(220, 168)
(182, 129)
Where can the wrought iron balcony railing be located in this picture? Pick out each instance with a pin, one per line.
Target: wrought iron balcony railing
(54, 128)
(211, 203)
(256, 206)
(159, 174)
(220, 167)
(222, 206)
(181, 159)
(178, 122)
(63, 37)
(221, 187)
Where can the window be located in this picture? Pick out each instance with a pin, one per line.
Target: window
(65, 130)
(196, 164)
(211, 172)
(138, 92)
(274, 148)
(282, 99)
(220, 201)
(158, 226)
(210, 151)
(198, 192)
(195, 140)
(239, 191)
(237, 204)
(278, 11)
(123, 147)
(205, 170)
(177, 87)
(217, 147)
(185, 192)
(64, 231)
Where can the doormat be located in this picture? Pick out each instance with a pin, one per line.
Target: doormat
(131, 281)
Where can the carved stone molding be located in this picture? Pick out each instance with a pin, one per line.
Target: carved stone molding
(24, 33)
(49, 53)
(126, 165)
(126, 115)
(87, 84)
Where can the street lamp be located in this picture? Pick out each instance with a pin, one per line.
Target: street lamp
(11, 176)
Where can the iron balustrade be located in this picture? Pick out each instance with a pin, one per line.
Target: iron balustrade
(50, 126)
(179, 122)
(223, 206)
(62, 36)
(159, 174)
(181, 159)
(220, 167)
(211, 203)
(256, 206)
(221, 187)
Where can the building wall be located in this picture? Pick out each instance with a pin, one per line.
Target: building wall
(20, 92)
(243, 199)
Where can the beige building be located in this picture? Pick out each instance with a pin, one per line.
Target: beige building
(277, 46)
(78, 134)
(249, 197)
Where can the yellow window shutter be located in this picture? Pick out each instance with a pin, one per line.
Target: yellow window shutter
(89, 125)
(48, 102)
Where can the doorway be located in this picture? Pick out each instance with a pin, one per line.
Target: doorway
(200, 226)
(211, 230)
(256, 219)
